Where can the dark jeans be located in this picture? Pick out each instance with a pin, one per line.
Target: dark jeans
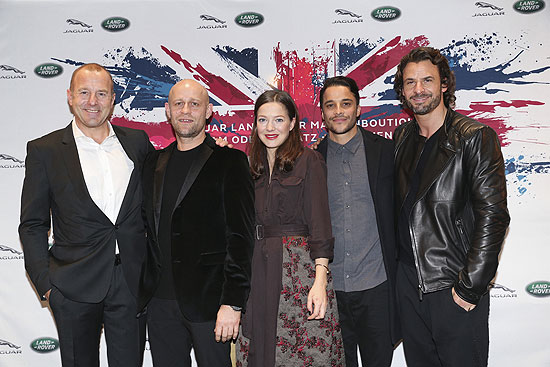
(365, 322)
(437, 331)
(171, 337)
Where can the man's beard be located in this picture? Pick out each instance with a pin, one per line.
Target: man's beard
(190, 132)
(345, 129)
(425, 108)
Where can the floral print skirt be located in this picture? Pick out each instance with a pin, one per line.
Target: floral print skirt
(301, 342)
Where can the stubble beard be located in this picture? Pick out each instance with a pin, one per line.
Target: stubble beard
(190, 132)
(424, 109)
(345, 129)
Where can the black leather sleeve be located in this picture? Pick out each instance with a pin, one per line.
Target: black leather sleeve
(484, 167)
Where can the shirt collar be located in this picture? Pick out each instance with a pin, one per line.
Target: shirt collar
(352, 146)
(78, 134)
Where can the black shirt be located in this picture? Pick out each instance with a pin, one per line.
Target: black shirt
(424, 148)
(176, 171)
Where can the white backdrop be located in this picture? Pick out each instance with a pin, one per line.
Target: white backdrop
(501, 57)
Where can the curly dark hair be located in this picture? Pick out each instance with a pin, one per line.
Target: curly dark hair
(291, 148)
(435, 57)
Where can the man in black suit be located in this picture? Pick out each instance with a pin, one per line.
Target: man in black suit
(86, 179)
(360, 187)
(199, 203)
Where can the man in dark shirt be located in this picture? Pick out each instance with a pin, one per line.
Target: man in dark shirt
(199, 204)
(360, 184)
(450, 193)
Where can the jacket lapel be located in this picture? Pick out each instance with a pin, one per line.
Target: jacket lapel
(158, 181)
(372, 155)
(323, 146)
(74, 170)
(129, 149)
(438, 160)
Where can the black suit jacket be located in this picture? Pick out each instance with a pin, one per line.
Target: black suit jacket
(80, 263)
(212, 230)
(379, 154)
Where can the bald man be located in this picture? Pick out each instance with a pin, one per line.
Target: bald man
(86, 179)
(199, 204)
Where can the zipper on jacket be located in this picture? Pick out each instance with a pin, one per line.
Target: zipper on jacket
(462, 234)
(413, 241)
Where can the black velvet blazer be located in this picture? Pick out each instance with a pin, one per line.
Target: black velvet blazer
(212, 230)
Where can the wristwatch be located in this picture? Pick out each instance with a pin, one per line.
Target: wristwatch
(236, 308)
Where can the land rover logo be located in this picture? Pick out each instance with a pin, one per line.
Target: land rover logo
(115, 24)
(45, 345)
(539, 289)
(386, 13)
(529, 6)
(249, 19)
(48, 70)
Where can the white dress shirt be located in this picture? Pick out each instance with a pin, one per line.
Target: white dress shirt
(106, 169)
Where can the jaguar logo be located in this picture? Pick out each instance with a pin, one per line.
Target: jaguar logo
(500, 286)
(481, 4)
(209, 17)
(347, 12)
(11, 68)
(9, 249)
(78, 22)
(9, 344)
(7, 157)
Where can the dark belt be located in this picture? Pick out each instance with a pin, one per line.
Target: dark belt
(117, 259)
(280, 230)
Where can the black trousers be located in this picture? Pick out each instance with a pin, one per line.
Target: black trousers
(171, 337)
(79, 327)
(365, 322)
(437, 331)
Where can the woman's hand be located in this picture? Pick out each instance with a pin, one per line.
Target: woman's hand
(317, 297)
(317, 300)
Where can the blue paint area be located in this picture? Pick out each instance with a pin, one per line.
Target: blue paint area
(351, 51)
(383, 111)
(462, 56)
(143, 78)
(510, 166)
(139, 77)
(461, 61)
(518, 171)
(466, 79)
(388, 94)
(247, 58)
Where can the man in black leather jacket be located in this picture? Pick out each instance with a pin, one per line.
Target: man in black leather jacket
(451, 217)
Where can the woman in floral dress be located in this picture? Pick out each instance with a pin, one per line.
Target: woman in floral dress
(291, 317)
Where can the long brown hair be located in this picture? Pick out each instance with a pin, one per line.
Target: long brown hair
(291, 148)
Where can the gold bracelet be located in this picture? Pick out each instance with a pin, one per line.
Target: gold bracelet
(324, 266)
